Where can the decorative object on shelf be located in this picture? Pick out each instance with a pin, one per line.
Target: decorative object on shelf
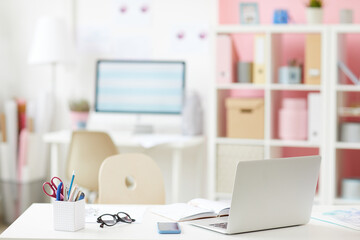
(350, 188)
(293, 119)
(244, 72)
(314, 117)
(245, 118)
(350, 132)
(79, 113)
(312, 70)
(314, 12)
(249, 13)
(227, 57)
(348, 73)
(281, 16)
(346, 16)
(290, 74)
(259, 59)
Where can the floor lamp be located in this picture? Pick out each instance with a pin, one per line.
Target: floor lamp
(50, 46)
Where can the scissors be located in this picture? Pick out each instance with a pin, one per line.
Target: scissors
(53, 188)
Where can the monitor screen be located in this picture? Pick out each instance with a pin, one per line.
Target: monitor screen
(140, 86)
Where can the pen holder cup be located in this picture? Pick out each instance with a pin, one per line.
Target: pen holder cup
(69, 216)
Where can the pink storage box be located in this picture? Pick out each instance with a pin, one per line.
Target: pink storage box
(293, 119)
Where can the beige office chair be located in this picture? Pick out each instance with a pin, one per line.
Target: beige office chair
(87, 151)
(131, 178)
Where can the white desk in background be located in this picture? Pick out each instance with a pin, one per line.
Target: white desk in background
(176, 143)
(37, 223)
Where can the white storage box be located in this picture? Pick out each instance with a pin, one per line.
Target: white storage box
(351, 188)
(69, 216)
(228, 156)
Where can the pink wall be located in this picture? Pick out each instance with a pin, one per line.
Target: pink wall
(229, 10)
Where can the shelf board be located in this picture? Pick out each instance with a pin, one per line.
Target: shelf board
(295, 87)
(274, 86)
(240, 86)
(348, 88)
(347, 28)
(240, 141)
(347, 145)
(293, 143)
(271, 28)
(341, 201)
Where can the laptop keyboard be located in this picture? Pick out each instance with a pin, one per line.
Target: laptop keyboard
(219, 225)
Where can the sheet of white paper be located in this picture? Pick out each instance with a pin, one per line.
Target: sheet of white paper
(93, 211)
(133, 13)
(132, 46)
(94, 39)
(349, 218)
(215, 206)
(189, 38)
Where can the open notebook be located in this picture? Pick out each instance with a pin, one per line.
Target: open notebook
(194, 209)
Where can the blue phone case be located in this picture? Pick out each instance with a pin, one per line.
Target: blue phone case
(168, 228)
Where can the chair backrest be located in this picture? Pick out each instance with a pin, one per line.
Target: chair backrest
(131, 178)
(87, 151)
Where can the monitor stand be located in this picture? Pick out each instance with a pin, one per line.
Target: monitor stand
(140, 128)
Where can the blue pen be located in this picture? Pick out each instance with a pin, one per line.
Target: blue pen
(82, 195)
(71, 183)
(58, 192)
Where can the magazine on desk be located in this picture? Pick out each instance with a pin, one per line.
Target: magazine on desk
(194, 209)
(349, 218)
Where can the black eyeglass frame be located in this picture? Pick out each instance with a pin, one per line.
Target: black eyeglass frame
(117, 218)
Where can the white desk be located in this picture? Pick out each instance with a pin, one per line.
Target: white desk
(177, 143)
(37, 223)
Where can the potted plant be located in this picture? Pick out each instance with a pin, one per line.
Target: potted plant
(314, 12)
(79, 113)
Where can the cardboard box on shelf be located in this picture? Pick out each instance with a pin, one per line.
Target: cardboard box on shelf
(245, 118)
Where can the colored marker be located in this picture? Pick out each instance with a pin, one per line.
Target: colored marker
(71, 183)
(58, 192)
(72, 195)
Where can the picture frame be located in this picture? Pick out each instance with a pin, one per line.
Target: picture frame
(249, 13)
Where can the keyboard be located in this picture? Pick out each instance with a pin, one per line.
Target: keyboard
(219, 225)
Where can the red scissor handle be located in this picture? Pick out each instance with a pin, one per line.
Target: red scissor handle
(51, 187)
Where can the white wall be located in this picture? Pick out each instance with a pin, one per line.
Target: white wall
(77, 79)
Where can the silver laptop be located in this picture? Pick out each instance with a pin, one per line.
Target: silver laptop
(269, 194)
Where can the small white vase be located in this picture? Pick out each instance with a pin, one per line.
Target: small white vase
(314, 15)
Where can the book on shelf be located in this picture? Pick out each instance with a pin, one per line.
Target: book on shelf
(194, 209)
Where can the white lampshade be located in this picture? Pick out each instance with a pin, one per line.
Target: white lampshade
(51, 42)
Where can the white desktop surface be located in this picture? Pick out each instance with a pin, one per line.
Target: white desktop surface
(128, 139)
(175, 142)
(37, 223)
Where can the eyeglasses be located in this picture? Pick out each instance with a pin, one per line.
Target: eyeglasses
(112, 219)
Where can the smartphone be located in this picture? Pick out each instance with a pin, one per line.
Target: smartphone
(168, 228)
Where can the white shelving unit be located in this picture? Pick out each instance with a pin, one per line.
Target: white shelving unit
(329, 89)
(270, 144)
(339, 90)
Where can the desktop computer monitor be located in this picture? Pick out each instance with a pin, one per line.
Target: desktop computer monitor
(140, 87)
